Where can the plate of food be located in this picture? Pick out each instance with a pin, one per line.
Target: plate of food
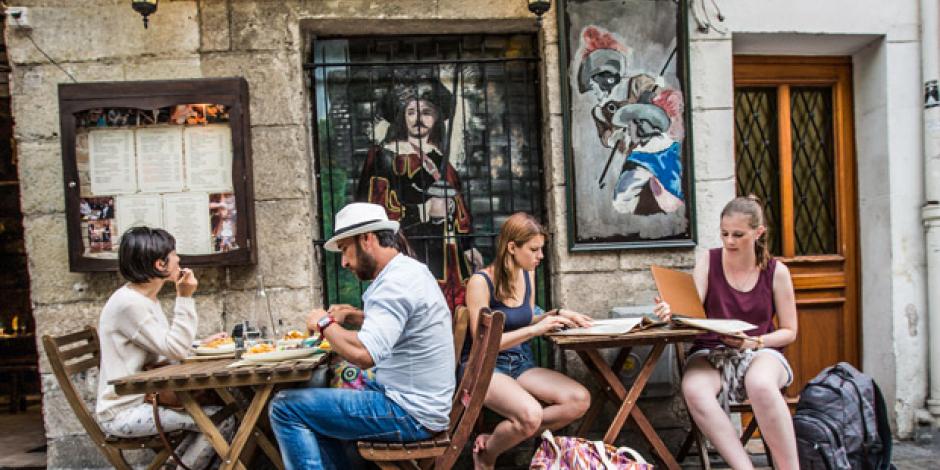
(267, 352)
(294, 339)
(216, 347)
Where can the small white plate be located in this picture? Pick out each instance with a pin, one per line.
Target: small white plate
(223, 349)
(280, 355)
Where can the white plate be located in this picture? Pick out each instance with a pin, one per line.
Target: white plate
(223, 349)
(280, 355)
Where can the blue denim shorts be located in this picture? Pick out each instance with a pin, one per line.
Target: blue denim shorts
(514, 363)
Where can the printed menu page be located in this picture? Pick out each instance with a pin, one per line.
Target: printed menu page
(160, 159)
(136, 210)
(111, 161)
(186, 216)
(208, 151)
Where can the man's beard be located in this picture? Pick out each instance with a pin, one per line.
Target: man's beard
(365, 264)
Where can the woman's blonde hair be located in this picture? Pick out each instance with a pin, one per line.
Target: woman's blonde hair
(519, 228)
(750, 206)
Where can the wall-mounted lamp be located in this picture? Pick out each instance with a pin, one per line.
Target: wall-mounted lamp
(144, 7)
(539, 7)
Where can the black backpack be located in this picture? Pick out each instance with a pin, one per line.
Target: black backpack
(841, 422)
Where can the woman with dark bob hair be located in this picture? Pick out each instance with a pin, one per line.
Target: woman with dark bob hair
(134, 333)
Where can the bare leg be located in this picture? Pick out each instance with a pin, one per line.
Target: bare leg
(700, 387)
(523, 415)
(567, 400)
(763, 381)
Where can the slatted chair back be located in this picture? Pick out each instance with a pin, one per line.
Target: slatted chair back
(76, 353)
(468, 399)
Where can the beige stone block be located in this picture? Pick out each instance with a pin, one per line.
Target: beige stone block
(710, 199)
(483, 9)
(58, 416)
(261, 26)
(35, 95)
(713, 131)
(285, 244)
(70, 32)
(550, 32)
(274, 80)
(209, 310)
(553, 82)
(40, 168)
(50, 279)
(289, 305)
(214, 30)
(174, 68)
(711, 82)
(641, 260)
(280, 162)
(554, 156)
(595, 294)
(586, 262)
(62, 319)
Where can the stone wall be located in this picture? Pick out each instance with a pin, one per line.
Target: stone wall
(266, 42)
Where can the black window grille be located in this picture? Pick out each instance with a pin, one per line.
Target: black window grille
(469, 104)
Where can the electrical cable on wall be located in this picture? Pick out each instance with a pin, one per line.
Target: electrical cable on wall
(29, 35)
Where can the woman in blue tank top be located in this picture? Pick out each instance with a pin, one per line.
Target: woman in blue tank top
(518, 387)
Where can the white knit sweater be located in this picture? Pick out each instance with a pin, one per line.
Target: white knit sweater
(133, 331)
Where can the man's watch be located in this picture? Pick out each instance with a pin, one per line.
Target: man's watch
(325, 321)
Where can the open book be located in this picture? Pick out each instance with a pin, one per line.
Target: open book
(678, 290)
(608, 327)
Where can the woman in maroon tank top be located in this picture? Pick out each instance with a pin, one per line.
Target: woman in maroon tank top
(741, 281)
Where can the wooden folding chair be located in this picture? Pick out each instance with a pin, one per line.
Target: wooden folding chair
(442, 450)
(77, 353)
(695, 435)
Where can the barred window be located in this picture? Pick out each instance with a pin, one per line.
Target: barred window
(442, 131)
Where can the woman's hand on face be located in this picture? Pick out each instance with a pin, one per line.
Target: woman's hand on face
(187, 283)
(662, 310)
(552, 323)
(579, 319)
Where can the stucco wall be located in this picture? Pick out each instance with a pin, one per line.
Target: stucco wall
(265, 41)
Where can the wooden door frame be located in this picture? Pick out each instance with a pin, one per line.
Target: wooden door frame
(781, 71)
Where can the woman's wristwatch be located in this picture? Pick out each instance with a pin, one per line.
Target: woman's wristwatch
(760, 342)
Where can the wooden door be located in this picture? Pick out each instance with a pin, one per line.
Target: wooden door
(794, 149)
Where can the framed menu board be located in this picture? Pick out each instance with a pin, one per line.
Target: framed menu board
(173, 154)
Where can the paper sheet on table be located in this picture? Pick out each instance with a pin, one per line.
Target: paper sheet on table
(725, 327)
(610, 327)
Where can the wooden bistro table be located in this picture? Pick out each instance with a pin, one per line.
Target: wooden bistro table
(188, 377)
(587, 347)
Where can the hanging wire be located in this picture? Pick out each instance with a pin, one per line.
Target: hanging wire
(28, 32)
(703, 19)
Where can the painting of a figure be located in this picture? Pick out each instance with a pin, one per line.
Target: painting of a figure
(407, 172)
(629, 151)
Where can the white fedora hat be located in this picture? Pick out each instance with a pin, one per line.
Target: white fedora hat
(357, 218)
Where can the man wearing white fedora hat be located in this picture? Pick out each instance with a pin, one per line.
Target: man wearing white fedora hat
(406, 336)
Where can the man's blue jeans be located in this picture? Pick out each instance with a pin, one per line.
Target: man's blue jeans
(311, 424)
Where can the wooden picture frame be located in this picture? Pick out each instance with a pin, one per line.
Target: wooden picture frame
(203, 112)
(627, 120)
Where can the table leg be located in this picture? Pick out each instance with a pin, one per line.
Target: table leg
(606, 376)
(247, 427)
(209, 429)
(599, 398)
(264, 442)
